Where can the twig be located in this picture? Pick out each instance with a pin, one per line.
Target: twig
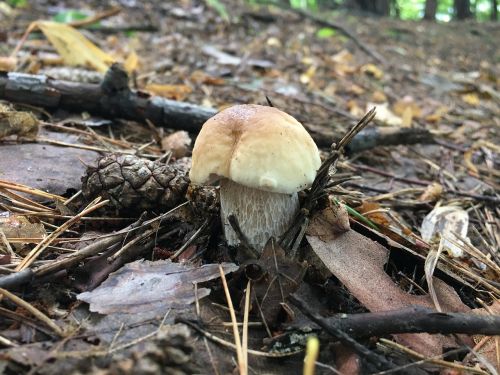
(26, 189)
(376, 359)
(190, 240)
(440, 362)
(236, 333)
(96, 17)
(293, 236)
(228, 344)
(16, 278)
(244, 340)
(413, 320)
(37, 313)
(33, 254)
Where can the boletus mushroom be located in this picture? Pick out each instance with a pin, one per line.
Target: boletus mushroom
(262, 157)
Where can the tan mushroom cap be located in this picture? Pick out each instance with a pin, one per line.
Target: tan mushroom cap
(256, 146)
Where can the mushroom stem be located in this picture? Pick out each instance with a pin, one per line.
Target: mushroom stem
(260, 214)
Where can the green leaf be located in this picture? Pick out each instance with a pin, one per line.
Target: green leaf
(17, 3)
(325, 32)
(68, 16)
(220, 8)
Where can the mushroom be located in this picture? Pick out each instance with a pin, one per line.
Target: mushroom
(262, 158)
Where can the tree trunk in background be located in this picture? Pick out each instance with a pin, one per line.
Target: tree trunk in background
(494, 11)
(430, 10)
(462, 9)
(378, 7)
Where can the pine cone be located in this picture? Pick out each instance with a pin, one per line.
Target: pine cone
(134, 185)
(170, 353)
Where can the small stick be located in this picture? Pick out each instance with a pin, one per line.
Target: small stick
(239, 352)
(439, 362)
(26, 189)
(37, 250)
(37, 313)
(245, 325)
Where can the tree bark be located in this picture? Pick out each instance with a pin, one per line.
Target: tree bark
(494, 10)
(430, 10)
(462, 9)
(378, 7)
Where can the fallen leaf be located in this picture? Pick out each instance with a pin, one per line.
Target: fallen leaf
(18, 226)
(143, 285)
(445, 222)
(178, 143)
(437, 115)
(274, 277)
(407, 104)
(75, 49)
(174, 92)
(17, 123)
(7, 64)
(471, 98)
(372, 70)
(200, 77)
(385, 115)
(379, 97)
(432, 193)
(224, 58)
(131, 63)
(358, 263)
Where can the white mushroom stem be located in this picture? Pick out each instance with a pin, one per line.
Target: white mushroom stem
(260, 214)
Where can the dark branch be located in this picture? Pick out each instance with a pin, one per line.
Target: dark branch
(377, 360)
(415, 319)
(114, 99)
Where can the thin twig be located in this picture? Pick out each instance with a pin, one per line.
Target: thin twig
(33, 310)
(236, 333)
(439, 362)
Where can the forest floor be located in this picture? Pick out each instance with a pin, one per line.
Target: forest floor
(432, 147)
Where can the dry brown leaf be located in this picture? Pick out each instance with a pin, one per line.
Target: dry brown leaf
(471, 98)
(200, 77)
(131, 63)
(178, 143)
(358, 263)
(372, 70)
(407, 104)
(379, 97)
(7, 64)
(175, 92)
(432, 193)
(17, 226)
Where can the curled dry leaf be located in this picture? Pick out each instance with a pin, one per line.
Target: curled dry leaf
(18, 226)
(174, 92)
(358, 263)
(143, 285)
(432, 193)
(178, 143)
(446, 222)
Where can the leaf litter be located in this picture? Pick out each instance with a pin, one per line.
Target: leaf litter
(367, 247)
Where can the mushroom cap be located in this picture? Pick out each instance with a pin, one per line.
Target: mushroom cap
(256, 146)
